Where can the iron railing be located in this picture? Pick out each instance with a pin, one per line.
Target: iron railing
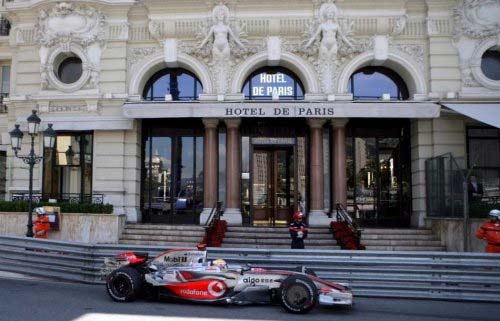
(214, 216)
(343, 216)
(74, 198)
(426, 275)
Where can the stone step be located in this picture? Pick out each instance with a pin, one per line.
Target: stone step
(368, 231)
(174, 238)
(276, 235)
(272, 242)
(250, 229)
(405, 248)
(167, 244)
(280, 246)
(164, 227)
(398, 237)
(162, 232)
(401, 243)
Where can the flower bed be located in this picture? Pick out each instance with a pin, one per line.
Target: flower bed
(216, 233)
(345, 236)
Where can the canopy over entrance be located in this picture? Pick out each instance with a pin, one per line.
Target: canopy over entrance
(485, 113)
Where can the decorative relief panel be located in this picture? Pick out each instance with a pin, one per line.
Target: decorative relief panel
(476, 30)
(69, 29)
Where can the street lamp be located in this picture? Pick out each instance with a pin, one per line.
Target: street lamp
(16, 138)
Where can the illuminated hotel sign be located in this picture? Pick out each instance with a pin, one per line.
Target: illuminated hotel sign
(267, 85)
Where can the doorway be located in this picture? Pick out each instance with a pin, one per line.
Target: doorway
(273, 185)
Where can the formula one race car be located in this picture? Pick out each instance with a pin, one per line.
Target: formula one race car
(187, 275)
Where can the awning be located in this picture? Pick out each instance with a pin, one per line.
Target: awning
(485, 113)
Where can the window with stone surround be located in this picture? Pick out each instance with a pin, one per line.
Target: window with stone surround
(267, 82)
(370, 83)
(67, 169)
(172, 84)
(490, 63)
(483, 154)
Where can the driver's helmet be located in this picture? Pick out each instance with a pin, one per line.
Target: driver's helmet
(40, 211)
(220, 263)
(495, 213)
(298, 215)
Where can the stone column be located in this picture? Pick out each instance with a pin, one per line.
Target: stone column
(317, 216)
(232, 212)
(210, 167)
(339, 175)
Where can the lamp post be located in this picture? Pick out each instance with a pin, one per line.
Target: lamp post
(16, 138)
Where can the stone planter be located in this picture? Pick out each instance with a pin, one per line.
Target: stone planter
(450, 230)
(75, 227)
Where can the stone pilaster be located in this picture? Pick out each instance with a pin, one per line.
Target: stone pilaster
(210, 165)
(317, 216)
(232, 213)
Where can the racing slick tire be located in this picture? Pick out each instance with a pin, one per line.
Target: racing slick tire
(124, 284)
(298, 294)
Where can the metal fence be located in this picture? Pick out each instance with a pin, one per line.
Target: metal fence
(426, 275)
(444, 179)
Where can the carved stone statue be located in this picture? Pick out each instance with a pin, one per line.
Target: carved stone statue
(331, 35)
(221, 33)
(329, 30)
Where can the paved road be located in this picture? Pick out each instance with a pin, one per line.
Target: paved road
(27, 300)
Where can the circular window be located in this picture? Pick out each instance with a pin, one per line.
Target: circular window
(490, 64)
(69, 70)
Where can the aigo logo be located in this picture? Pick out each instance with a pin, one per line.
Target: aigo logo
(217, 288)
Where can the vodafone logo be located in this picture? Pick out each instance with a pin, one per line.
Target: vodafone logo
(217, 288)
(194, 292)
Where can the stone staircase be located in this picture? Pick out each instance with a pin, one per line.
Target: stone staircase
(166, 235)
(276, 237)
(380, 239)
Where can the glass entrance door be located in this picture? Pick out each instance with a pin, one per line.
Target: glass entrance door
(273, 186)
(379, 176)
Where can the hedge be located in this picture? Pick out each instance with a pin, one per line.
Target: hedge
(22, 206)
(481, 210)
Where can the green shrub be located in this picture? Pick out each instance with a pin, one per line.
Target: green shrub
(22, 206)
(481, 210)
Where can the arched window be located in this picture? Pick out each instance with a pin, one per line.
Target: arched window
(264, 82)
(372, 82)
(179, 83)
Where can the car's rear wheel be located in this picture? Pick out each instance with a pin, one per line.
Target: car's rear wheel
(124, 284)
(298, 294)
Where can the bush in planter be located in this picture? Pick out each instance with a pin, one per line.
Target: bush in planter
(22, 206)
(481, 209)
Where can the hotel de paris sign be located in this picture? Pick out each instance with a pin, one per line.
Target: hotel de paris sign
(281, 109)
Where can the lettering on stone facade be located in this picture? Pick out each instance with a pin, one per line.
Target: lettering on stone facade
(278, 111)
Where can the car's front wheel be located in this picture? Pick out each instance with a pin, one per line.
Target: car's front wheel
(124, 284)
(298, 294)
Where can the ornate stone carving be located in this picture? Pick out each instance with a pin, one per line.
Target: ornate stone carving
(68, 28)
(137, 54)
(329, 37)
(477, 18)
(416, 51)
(399, 25)
(68, 22)
(221, 41)
(476, 30)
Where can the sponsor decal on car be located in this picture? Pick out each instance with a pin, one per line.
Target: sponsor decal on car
(257, 280)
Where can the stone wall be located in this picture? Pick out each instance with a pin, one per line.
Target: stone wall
(75, 227)
(451, 232)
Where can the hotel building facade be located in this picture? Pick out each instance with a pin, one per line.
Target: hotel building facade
(163, 108)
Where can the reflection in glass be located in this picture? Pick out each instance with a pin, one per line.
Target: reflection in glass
(173, 179)
(68, 167)
(372, 82)
(179, 83)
